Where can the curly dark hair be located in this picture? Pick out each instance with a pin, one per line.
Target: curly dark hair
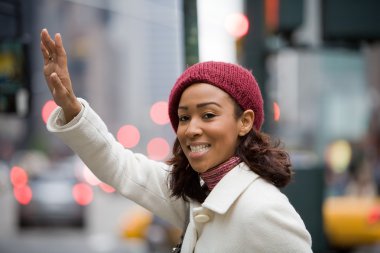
(262, 155)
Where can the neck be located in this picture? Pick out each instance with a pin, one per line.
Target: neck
(212, 176)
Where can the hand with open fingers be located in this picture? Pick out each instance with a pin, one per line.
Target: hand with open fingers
(57, 74)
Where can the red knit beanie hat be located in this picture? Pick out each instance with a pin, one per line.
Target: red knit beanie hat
(233, 79)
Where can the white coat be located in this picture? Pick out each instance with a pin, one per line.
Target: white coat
(242, 214)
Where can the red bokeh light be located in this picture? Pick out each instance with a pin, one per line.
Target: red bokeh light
(237, 24)
(128, 136)
(47, 109)
(23, 194)
(158, 149)
(271, 14)
(18, 176)
(159, 113)
(374, 215)
(276, 112)
(83, 194)
(106, 188)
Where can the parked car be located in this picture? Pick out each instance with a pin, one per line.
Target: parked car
(57, 198)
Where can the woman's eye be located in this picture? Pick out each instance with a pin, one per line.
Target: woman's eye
(183, 118)
(208, 115)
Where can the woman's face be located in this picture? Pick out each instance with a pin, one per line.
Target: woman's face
(208, 129)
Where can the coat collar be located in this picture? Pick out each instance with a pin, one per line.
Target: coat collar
(229, 188)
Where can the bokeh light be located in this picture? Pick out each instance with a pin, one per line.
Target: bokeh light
(276, 112)
(158, 149)
(106, 188)
(159, 113)
(23, 194)
(374, 215)
(338, 155)
(83, 194)
(18, 176)
(47, 109)
(271, 14)
(128, 136)
(237, 24)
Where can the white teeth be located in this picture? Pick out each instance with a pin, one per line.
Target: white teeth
(199, 148)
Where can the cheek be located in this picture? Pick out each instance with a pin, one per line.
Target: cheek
(225, 139)
(227, 132)
(229, 141)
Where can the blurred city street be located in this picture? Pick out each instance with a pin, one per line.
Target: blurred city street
(102, 231)
(61, 240)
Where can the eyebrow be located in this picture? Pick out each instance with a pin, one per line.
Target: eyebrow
(200, 105)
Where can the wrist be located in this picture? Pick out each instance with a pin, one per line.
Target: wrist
(72, 110)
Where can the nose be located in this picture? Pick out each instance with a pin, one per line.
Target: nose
(193, 128)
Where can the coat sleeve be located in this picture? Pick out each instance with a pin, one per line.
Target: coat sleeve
(138, 178)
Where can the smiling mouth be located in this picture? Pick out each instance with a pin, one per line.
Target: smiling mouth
(200, 148)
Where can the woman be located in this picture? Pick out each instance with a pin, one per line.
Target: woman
(221, 183)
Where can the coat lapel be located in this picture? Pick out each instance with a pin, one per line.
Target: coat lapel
(229, 189)
(220, 199)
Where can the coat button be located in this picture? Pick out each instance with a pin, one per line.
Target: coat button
(202, 218)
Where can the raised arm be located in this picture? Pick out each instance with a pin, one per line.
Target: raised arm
(57, 74)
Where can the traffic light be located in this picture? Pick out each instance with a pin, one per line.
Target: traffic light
(283, 16)
(14, 71)
(14, 78)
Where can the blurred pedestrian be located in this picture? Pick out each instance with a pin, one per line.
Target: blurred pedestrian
(221, 183)
(361, 182)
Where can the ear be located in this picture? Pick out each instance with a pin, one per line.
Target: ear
(246, 122)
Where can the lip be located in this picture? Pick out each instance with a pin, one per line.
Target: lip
(196, 155)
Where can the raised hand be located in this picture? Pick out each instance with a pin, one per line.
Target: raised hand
(57, 74)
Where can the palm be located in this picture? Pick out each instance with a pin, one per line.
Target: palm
(56, 66)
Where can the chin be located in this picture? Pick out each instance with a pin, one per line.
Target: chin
(200, 169)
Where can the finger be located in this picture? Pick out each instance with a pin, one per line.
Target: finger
(60, 50)
(59, 45)
(48, 41)
(45, 53)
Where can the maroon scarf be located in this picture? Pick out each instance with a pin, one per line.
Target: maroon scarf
(212, 176)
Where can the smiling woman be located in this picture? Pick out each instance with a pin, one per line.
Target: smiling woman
(221, 183)
(207, 126)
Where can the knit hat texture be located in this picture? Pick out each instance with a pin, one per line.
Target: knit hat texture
(233, 79)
